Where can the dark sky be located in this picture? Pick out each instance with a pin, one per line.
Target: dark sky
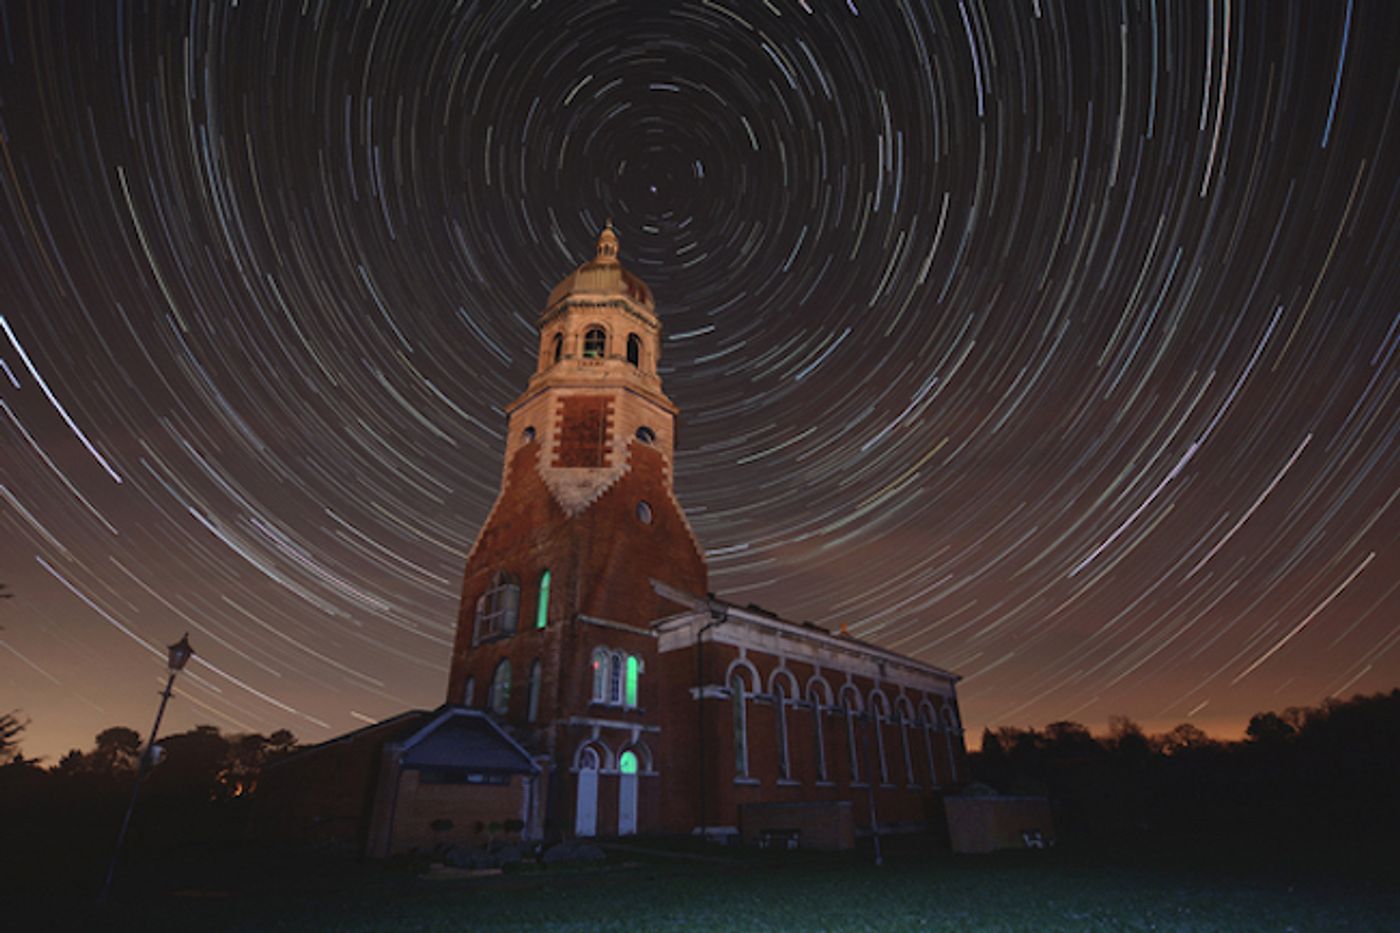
(1052, 343)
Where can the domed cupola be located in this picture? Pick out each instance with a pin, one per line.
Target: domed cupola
(602, 277)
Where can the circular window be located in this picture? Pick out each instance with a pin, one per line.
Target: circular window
(646, 435)
(644, 512)
(529, 435)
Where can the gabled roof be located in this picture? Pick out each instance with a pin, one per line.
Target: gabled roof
(458, 737)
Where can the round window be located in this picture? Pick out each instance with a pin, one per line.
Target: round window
(646, 435)
(644, 512)
(529, 435)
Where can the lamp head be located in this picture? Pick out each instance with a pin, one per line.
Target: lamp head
(180, 653)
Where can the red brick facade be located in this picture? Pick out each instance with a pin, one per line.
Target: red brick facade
(630, 694)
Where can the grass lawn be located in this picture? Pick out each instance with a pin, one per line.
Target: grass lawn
(682, 886)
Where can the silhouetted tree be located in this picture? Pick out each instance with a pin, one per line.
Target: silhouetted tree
(10, 728)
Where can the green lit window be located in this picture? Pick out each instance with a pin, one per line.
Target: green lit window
(627, 762)
(631, 680)
(542, 612)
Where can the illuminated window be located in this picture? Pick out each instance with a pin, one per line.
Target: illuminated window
(634, 349)
(595, 344)
(600, 675)
(630, 688)
(500, 689)
(498, 608)
(627, 762)
(533, 710)
(542, 610)
(558, 347)
(741, 724)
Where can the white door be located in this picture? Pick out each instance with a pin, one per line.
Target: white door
(586, 812)
(627, 794)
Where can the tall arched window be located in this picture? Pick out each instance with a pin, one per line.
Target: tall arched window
(542, 609)
(600, 675)
(500, 688)
(629, 686)
(780, 717)
(848, 711)
(498, 608)
(740, 712)
(814, 695)
(950, 726)
(558, 347)
(634, 349)
(615, 679)
(533, 710)
(469, 694)
(929, 722)
(595, 344)
(903, 716)
(879, 718)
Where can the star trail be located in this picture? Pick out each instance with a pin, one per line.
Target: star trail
(1050, 343)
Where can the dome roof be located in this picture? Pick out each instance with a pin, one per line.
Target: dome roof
(603, 276)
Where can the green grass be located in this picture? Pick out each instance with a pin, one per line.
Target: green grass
(746, 890)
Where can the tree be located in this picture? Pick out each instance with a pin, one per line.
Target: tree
(1269, 729)
(10, 728)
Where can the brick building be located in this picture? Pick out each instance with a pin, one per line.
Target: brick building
(587, 628)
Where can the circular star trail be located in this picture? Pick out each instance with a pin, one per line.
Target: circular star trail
(1053, 344)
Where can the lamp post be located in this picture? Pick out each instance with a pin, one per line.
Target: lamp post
(179, 656)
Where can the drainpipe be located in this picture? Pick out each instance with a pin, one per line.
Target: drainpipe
(717, 617)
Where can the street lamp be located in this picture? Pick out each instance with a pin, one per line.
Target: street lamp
(178, 655)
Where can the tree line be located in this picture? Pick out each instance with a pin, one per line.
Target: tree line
(1303, 773)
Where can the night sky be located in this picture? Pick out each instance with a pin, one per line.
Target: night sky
(1053, 344)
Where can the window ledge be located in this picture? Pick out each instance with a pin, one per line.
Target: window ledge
(859, 785)
(825, 784)
(788, 782)
(884, 786)
(748, 781)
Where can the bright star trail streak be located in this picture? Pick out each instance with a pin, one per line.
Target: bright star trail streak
(1051, 343)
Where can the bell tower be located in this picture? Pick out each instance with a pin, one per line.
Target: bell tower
(586, 516)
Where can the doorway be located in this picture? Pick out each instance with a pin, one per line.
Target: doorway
(586, 810)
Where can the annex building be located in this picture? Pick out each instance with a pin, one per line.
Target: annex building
(588, 632)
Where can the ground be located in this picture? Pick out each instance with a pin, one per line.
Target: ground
(681, 885)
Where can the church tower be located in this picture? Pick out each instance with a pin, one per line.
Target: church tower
(554, 627)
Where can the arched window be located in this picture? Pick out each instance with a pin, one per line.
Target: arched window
(780, 702)
(629, 687)
(741, 724)
(600, 675)
(497, 608)
(627, 762)
(542, 609)
(646, 435)
(595, 344)
(615, 679)
(929, 723)
(469, 694)
(558, 347)
(903, 716)
(879, 718)
(533, 710)
(500, 688)
(848, 711)
(634, 349)
(950, 725)
(815, 697)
